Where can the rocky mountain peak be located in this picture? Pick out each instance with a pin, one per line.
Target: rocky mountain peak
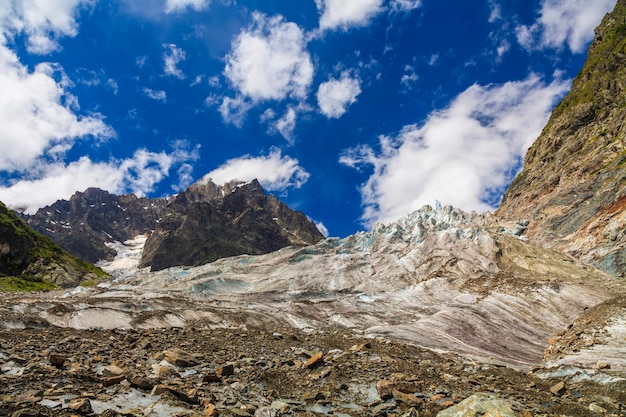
(572, 188)
(207, 222)
(89, 220)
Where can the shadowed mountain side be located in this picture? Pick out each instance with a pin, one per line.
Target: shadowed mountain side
(88, 221)
(207, 222)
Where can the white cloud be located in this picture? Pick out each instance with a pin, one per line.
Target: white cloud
(214, 81)
(37, 114)
(287, 124)
(233, 110)
(158, 95)
(563, 23)
(171, 58)
(344, 14)
(463, 155)
(42, 21)
(405, 5)
(409, 77)
(173, 6)
(322, 228)
(274, 171)
(197, 80)
(51, 182)
(141, 61)
(40, 123)
(496, 11)
(334, 96)
(503, 49)
(113, 85)
(269, 61)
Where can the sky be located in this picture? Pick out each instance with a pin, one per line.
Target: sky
(351, 111)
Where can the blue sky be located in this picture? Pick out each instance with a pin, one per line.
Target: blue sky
(351, 111)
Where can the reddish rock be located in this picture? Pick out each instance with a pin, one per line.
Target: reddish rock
(558, 389)
(180, 358)
(81, 406)
(112, 380)
(314, 360)
(226, 370)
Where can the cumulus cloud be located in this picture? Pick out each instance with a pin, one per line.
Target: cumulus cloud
(344, 14)
(174, 6)
(171, 58)
(334, 96)
(37, 114)
(274, 171)
(43, 22)
(563, 23)
(269, 61)
(51, 182)
(158, 95)
(463, 155)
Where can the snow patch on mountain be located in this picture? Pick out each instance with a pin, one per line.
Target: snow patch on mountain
(126, 261)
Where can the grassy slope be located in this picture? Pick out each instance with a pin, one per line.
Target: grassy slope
(25, 257)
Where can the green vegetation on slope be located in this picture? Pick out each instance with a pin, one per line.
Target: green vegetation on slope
(30, 261)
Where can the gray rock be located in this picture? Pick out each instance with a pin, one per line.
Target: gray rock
(478, 405)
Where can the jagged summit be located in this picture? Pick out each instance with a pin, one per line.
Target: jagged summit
(208, 222)
(203, 223)
(89, 220)
(572, 188)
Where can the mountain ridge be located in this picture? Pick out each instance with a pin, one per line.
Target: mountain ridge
(200, 224)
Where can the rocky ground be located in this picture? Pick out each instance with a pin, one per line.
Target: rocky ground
(200, 370)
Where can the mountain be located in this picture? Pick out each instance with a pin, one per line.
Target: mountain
(29, 260)
(201, 224)
(572, 188)
(207, 222)
(89, 220)
(434, 314)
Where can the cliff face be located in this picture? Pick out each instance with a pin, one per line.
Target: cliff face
(207, 222)
(84, 224)
(31, 257)
(572, 188)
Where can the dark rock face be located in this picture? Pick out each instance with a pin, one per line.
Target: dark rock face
(82, 225)
(207, 222)
(199, 225)
(573, 185)
(26, 254)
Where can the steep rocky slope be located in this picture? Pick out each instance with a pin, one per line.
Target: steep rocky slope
(208, 222)
(89, 220)
(26, 258)
(573, 184)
